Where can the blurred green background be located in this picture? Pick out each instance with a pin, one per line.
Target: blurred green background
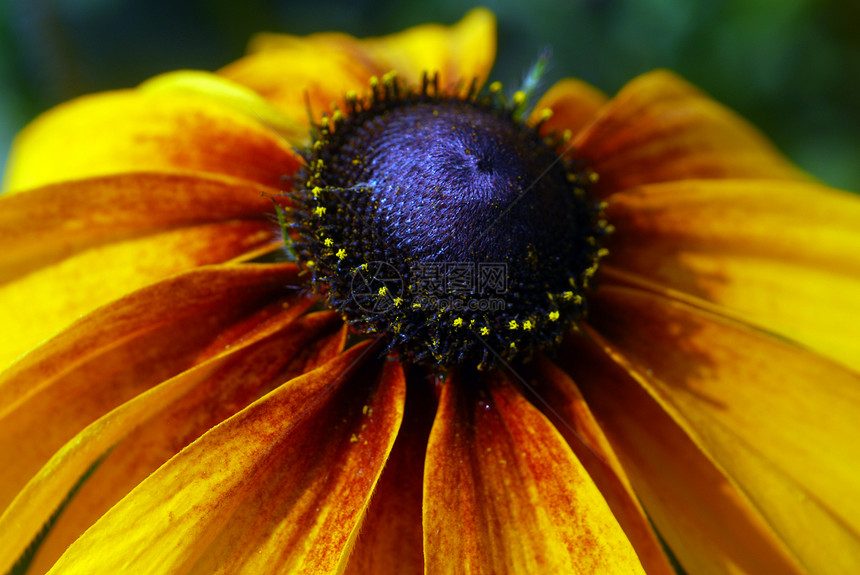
(791, 66)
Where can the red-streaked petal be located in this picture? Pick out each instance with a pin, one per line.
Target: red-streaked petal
(284, 482)
(711, 527)
(782, 255)
(320, 69)
(146, 431)
(121, 350)
(557, 396)
(782, 422)
(391, 536)
(136, 130)
(659, 128)
(47, 300)
(574, 106)
(503, 493)
(46, 224)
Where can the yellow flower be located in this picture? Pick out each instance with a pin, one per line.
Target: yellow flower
(182, 401)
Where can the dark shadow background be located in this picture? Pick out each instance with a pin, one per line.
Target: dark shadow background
(791, 66)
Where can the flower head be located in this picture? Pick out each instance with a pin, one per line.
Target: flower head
(216, 362)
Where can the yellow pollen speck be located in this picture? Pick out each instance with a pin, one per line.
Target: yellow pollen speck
(328, 242)
(528, 325)
(341, 253)
(520, 98)
(374, 81)
(416, 305)
(496, 87)
(458, 322)
(353, 438)
(485, 331)
(316, 191)
(319, 211)
(337, 116)
(513, 324)
(356, 161)
(568, 295)
(553, 316)
(545, 114)
(398, 301)
(383, 290)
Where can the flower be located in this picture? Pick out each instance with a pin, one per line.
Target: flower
(183, 404)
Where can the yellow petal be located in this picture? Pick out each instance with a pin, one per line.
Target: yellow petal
(146, 431)
(503, 493)
(574, 105)
(557, 396)
(391, 536)
(47, 224)
(459, 53)
(782, 422)
(47, 300)
(782, 255)
(137, 130)
(284, 482)
(710, 526)
(119, 351)
(294, 72)
(232, 95)
(659, 128)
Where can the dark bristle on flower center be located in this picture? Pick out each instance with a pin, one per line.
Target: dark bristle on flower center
(444, 222)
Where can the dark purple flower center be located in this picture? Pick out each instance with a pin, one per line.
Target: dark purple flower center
(448, 224)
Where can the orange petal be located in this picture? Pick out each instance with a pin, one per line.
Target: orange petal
(146, 431)
(782, 255)
(782, 422)
(574, 105)
(49, 223)
(292, 72)
(43, 302)
(659, 128)
(284, 482)
(137, 130)
(391, 536)
(503, 493)
(121, 350)
(709, 525)
(553, 392)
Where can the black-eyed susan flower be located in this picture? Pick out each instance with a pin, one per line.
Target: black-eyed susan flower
(573, 340)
